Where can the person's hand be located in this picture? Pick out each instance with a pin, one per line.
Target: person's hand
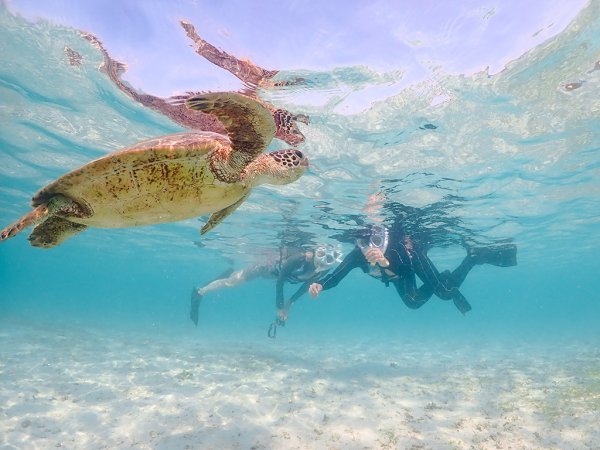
(282, 315)
(375, 256)
(314, 289)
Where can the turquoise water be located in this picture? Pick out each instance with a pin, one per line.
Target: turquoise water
(511, 156)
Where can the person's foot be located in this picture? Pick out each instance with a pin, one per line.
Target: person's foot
(501, 255)
(196, 298)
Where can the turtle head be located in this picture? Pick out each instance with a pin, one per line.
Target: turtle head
(287, 128)
(280, 167)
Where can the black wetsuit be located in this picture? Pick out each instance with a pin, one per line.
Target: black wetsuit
(406, 264)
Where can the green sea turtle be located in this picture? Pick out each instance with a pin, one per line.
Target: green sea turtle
(168, 178)
(286, 127)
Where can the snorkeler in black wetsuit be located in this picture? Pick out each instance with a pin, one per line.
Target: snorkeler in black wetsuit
(292, 266)
(393, 257)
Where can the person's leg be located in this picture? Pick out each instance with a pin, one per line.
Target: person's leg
(237, 278)
(429, 275)
(443, 284)
(412, 296)
(226, 280)
(232, 280)
(501, 256)
(198, 293)
(458, 275)
(504, 255)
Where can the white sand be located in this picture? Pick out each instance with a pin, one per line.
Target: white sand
(81, 390)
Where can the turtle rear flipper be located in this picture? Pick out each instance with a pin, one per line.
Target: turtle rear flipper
(34, 217)
(46, 205)
(54, 231)
(249, 123)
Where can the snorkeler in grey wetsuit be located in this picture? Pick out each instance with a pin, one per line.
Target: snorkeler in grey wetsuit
(307, 268)
(392, 257)
(292, 266)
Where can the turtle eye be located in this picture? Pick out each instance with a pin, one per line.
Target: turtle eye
(298, 154)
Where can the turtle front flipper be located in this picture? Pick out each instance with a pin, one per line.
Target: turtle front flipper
(54, 231)
(249, 123)
(217, 217)
(245, 70)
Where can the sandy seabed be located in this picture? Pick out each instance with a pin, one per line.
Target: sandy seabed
(87, 390)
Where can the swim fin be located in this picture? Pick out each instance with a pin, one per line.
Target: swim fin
(461, 303)
(502, 256)
(196, 298)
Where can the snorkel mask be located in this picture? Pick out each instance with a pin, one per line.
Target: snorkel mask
(326, 256)
(378, 238)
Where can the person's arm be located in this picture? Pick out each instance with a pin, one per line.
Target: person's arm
(303, 289)
(353, 260)
(284, 311)
(292, 263)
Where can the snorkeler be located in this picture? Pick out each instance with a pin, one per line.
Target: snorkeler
(391, 256)
(293, 266)
(307, 268)
(285, 122)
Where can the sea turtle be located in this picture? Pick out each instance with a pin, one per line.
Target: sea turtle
(168, 178)
(286, 127)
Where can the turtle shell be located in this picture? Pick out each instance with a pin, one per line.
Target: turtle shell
(165, 179)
